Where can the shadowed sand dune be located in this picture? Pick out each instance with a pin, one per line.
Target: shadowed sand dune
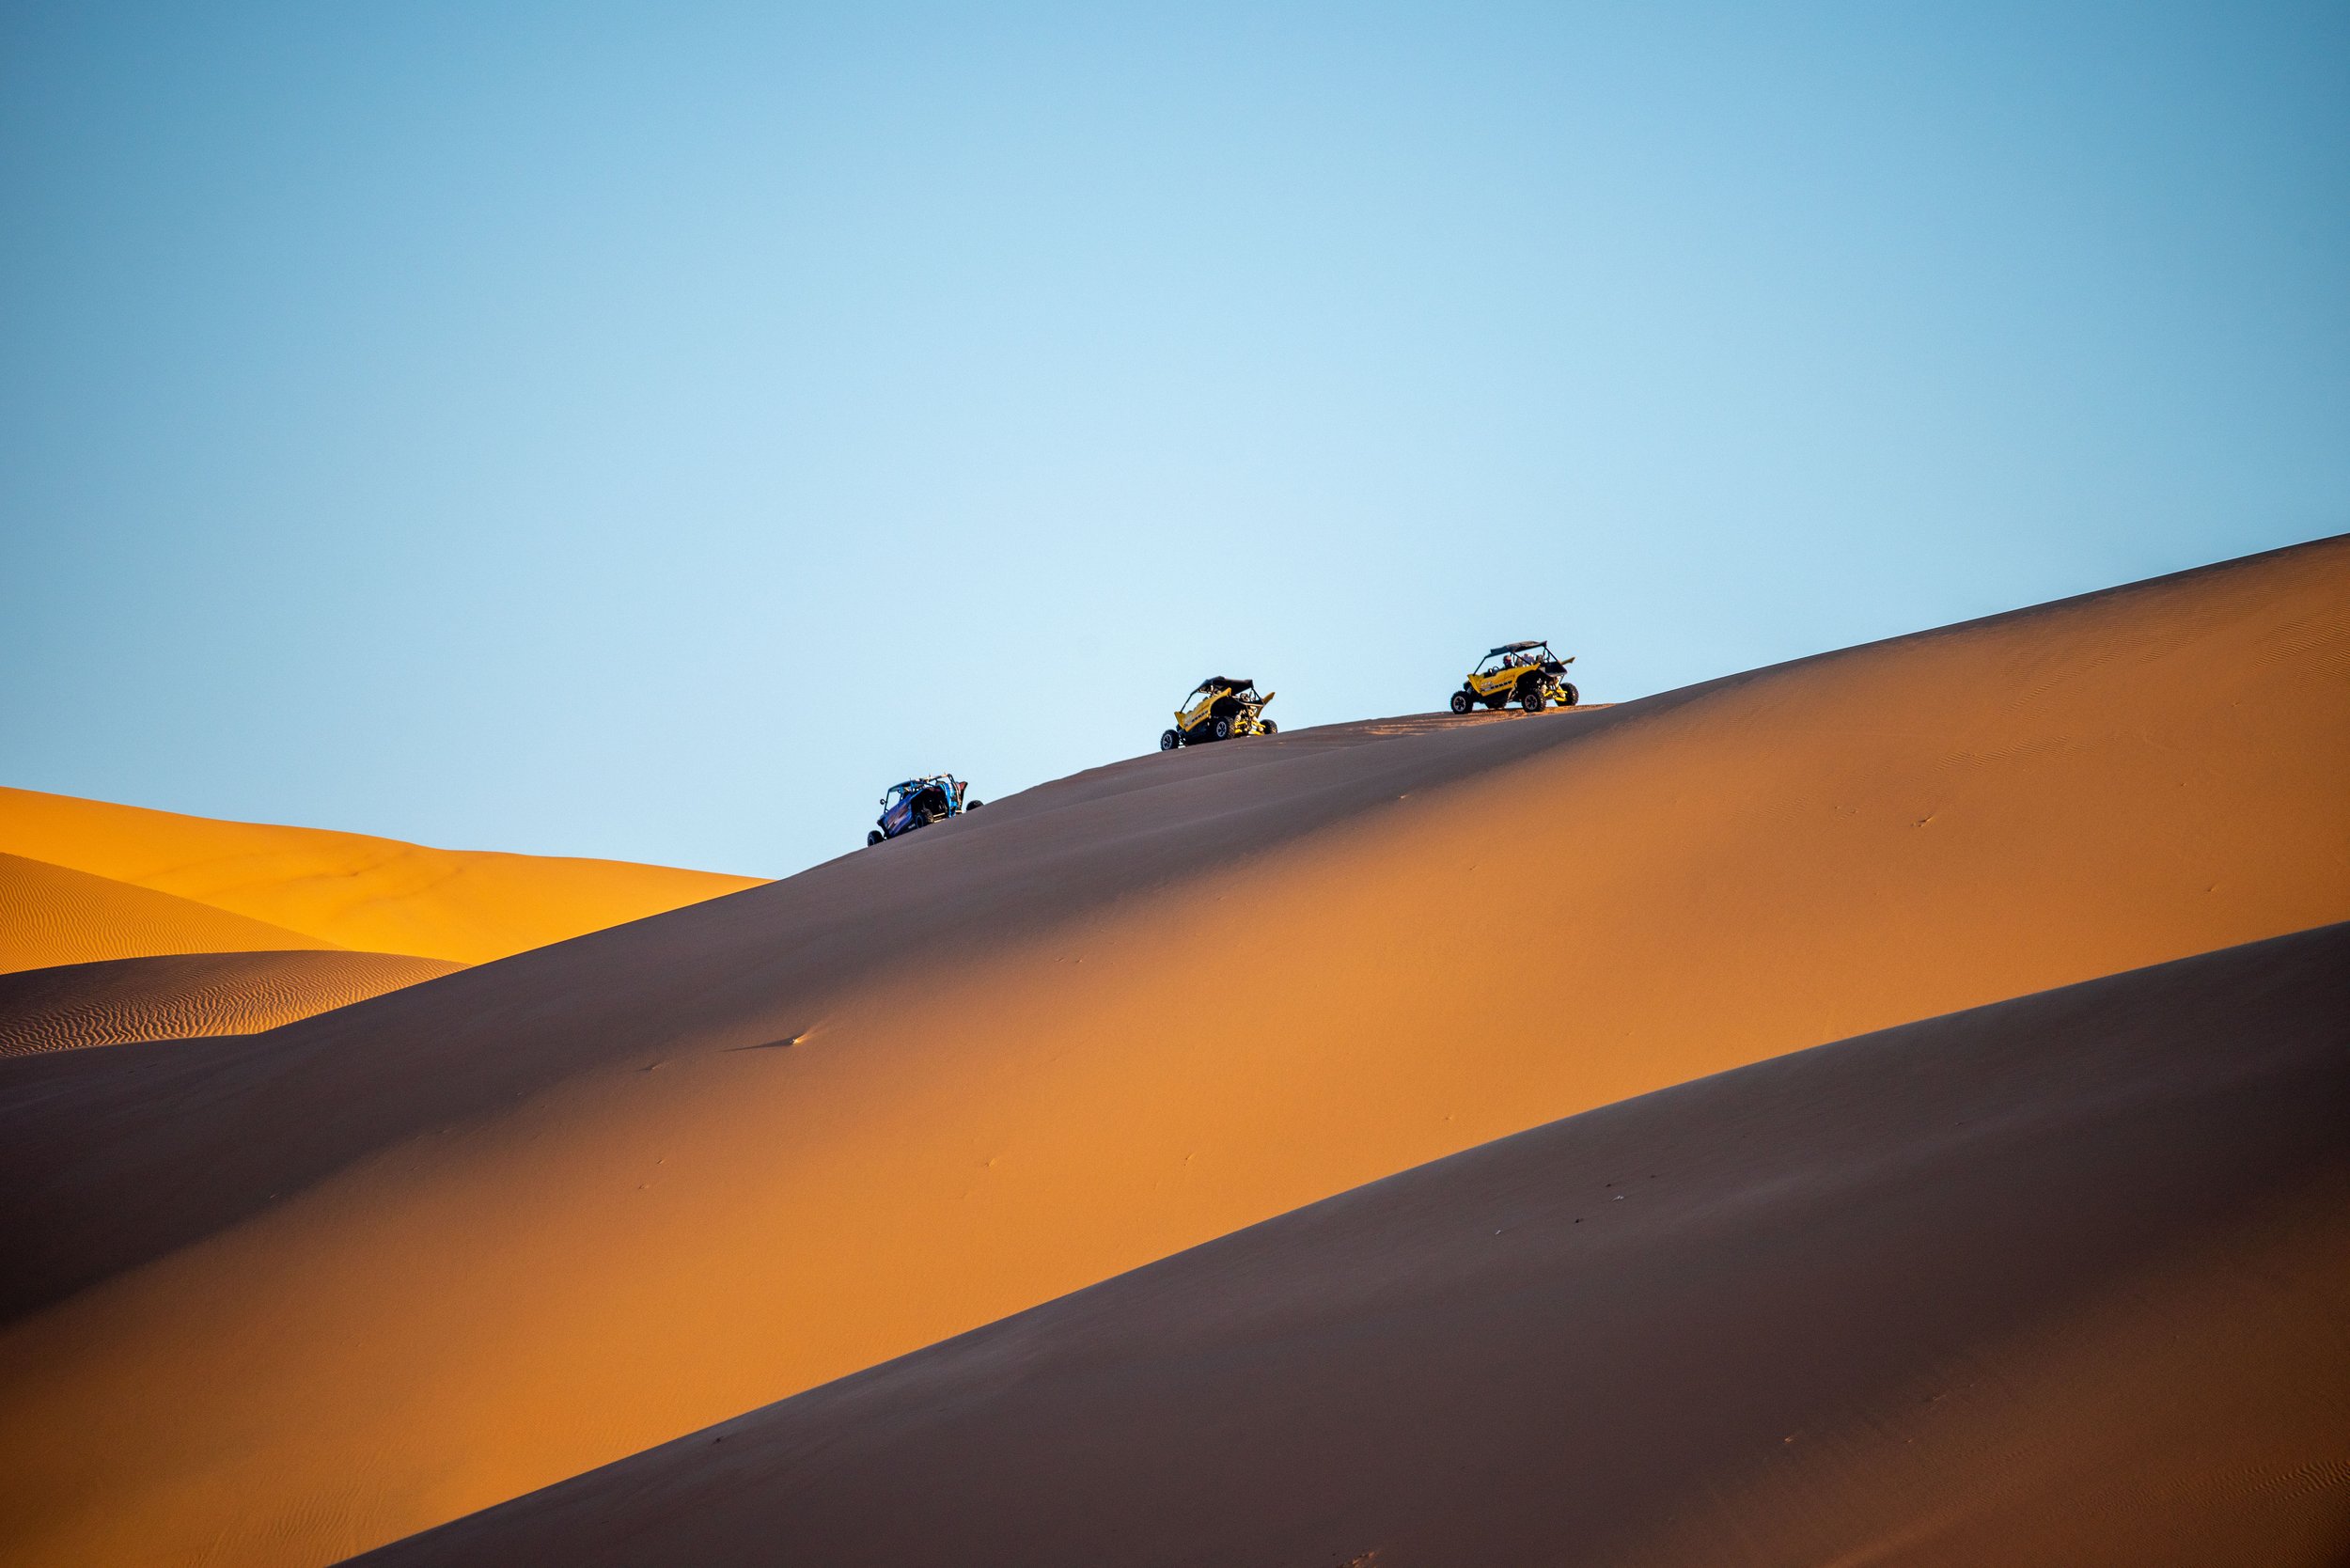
(51, 915)
(284, 1297)
(181, 995)
(2061, 1280)
(347, 889)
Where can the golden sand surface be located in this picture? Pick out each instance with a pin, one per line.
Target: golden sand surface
(2052, 1283)
(348, 889)
(319, 1289)
(95, 898)
(184, 996)
(51, 915)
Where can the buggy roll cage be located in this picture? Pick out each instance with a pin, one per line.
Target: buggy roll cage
(906, 787)
(1508, 647)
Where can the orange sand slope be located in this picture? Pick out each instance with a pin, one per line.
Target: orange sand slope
(53, 915)
(281, 1298)
(2059, 1282)
(118, 883)
(183, 995)
(346, 890)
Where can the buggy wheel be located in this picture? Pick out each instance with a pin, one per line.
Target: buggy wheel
(1568, 696)
(1168, 739)
(973, 804)
(1531, 699)
(873, 838)
(1221, 728)
(1463, 702)
(1271, 727)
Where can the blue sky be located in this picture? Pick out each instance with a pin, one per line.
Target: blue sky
(648, 431)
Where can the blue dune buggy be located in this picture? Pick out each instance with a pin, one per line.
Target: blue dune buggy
(919, 802)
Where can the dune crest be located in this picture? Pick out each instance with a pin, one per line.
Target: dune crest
(51, 915)
(117, 933)
(348, 890)
(534, 1217)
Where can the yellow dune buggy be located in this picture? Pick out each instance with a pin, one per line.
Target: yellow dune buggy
(1527, 673)
(1219, 707)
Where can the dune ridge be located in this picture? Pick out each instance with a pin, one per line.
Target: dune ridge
(186, 995)
(2060, 1280)
(350, 889)
(53, 915)
(111, 944)
(539, 1215)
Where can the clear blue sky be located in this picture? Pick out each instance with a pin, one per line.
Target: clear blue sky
(646, 431)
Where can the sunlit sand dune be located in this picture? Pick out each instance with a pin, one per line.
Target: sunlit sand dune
(183, 995)
(347, 889)
(285, 1297)
(55, 914)
(2061, 1281)
(120, 888)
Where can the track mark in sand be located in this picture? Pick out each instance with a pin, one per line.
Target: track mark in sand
(783, 1044)
(1425, 724)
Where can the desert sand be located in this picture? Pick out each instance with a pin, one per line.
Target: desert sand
(284, 1297)
(127, 915)
(183, 995)
(1999, 1286)
(53, 914)
(347, 889)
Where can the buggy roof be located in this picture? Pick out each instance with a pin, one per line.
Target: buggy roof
(926, 778)
(1516, 647)
(1237, 682)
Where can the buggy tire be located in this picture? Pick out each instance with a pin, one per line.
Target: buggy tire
(1271, 727)
(1168, 739)
(1463, 702)
(973, 804)
(1568, 696)
(1532, 699)
(872, 838)
(1221, 728)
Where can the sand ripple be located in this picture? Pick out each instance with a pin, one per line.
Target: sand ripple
(181, 995)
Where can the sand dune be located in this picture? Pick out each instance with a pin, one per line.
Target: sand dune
(122, 887)
(347, 889)
(2057, 1281)
(183, 996)
(55, 914)
(546, 1212)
